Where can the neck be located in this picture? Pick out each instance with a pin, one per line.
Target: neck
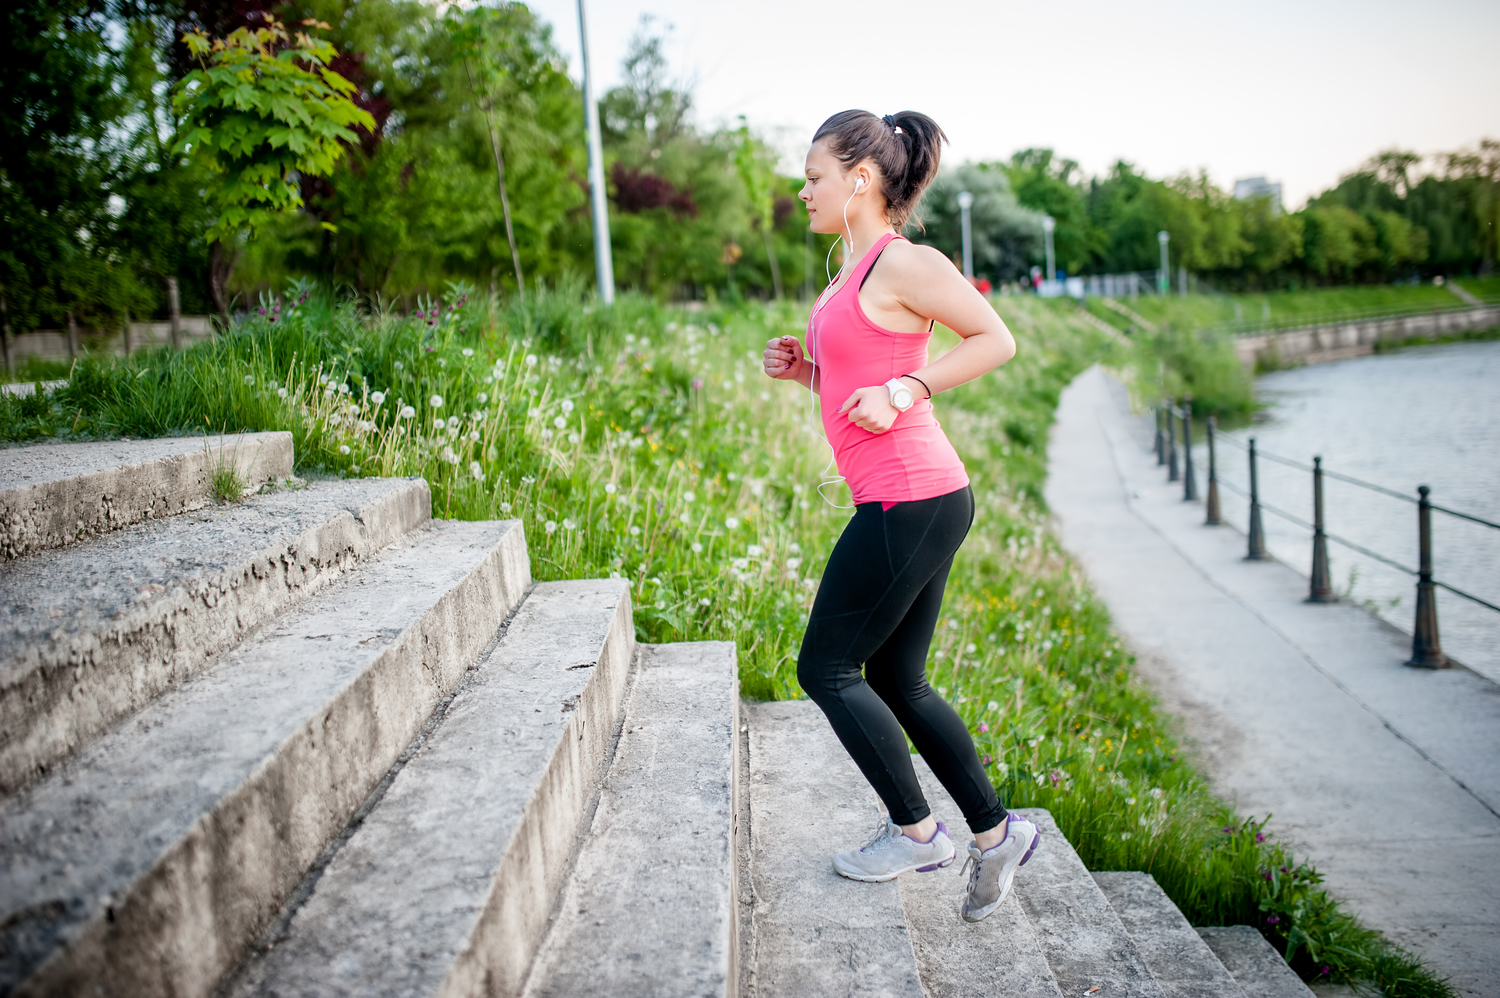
(866, 232)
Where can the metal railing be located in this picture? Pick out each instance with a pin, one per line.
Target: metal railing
(1427, 649)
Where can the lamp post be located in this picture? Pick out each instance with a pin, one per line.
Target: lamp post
(1048, 224)
(1164, 277)
(965, 202)
(604, 267)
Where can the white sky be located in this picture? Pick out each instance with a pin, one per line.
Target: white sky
(1300, 92)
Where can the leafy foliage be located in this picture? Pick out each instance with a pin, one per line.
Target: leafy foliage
(262, 109)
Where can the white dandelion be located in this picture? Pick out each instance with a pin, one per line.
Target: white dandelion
(436, 401)
(377, 397)
(407, 412)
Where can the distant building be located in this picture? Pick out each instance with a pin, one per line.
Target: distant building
(1259, 187)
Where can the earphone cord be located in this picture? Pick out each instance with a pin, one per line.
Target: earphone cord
(830, 476)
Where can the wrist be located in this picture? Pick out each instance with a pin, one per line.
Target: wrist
(927, 392)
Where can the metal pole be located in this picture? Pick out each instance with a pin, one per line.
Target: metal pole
(1048, 224)
(1161, 439)
(1189, 480)
(1164, 276)
(1257, 532)
(1426, 649)
(1172, 475)
(1321, 590)
(603, 263)
(965, 202)
(1212, 519)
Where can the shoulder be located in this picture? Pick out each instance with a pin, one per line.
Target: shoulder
(913, 260)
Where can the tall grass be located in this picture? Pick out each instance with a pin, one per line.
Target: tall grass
(643, 442)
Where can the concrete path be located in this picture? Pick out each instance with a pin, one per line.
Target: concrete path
(1387, 778)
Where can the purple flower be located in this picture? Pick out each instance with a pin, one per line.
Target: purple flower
(988, 760)
(1273, 919)
(697, 384)
(1327, 969)
(1230, 829)
(984, 728)
(1260, 837)
(1266, 874)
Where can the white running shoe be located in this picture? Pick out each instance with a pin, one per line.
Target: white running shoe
(890, 853)
(991, 871)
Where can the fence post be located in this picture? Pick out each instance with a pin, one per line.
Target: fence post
(1257, 532)
(1171, 442)
(1161, 440)
(1426, 649)
(1321, 590)
(1189, 480)
(1212, 519)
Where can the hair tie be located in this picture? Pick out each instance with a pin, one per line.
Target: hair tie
(892, 122)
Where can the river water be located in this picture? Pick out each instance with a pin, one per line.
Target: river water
(1424, 416)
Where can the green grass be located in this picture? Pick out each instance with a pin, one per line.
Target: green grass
(644, 442)
(1487, 288)
(36, 369)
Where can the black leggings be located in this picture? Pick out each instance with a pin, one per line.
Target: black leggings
(876, 607)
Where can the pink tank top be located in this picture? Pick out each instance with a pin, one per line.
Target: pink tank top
(913, 459)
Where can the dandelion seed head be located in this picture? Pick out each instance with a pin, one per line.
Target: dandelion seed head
(407, 412)
(971, 648)
(793, 564)
(635, 531)
(550, 526)
(560, 421)
(992, 705)
(249, 379)
(531, 360)
(468, 351)
(399, 366)
(439, 423)
(505, 507)
(482, 397)
(688, 496)
(567, 405)
(377, 397)
(343, 448)
(281, 393)
(609, 488)
(436, 401)
(569, 525)
(705, 601)
(696, 548)
(477, 470)
(754, 551)
(732, 523)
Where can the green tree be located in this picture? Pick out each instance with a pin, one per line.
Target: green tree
(263, 111)
(1006, 235)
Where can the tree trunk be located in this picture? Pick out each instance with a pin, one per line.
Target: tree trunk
(765, 232)
(220, 267)
(510, 234)
(72, 336)
(174, 310)
(10, 364)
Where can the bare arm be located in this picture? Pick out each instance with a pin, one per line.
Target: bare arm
(918, 283)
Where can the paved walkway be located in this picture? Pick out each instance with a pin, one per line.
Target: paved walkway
(1386, 777)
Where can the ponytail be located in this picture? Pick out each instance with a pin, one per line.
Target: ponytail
(905, 147)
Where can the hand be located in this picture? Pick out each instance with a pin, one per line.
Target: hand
(871, 409)
(784, 359)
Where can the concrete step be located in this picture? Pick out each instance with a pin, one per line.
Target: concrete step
(146, 864)
(1254, 962)
(998, 956)
(95, 630)
(651, 899)
(817, 933)
(1179, 959)
(446, 885)
(1083, 939)
(54, 494)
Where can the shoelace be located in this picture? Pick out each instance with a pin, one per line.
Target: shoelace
(883, 832)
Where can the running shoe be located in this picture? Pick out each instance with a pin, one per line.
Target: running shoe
(889, 853)
(991, 871)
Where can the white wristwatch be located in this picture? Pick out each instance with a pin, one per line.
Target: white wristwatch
(901, 396)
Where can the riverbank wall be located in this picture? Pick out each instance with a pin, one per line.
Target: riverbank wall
(1357, 337)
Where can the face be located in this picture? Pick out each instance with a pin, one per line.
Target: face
(829, 188)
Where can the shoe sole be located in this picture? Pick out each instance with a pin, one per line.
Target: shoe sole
(866, 878)
(984, 913)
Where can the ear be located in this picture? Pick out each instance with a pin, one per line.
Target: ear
(863, 179)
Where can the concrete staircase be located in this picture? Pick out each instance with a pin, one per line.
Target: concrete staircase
(316, 743)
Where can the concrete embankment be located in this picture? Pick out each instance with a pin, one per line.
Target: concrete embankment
(1357, 337)
(1385, 777)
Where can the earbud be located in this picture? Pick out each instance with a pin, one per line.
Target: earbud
(858, 183)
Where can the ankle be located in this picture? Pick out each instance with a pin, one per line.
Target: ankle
(991, 837)
(922, 831)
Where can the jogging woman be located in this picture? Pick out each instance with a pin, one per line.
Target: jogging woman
(864, 656)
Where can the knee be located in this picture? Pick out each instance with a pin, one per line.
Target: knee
(813, 676)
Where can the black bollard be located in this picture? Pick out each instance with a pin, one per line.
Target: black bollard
(1321, 590)
(1257, 532)
(1426, 649)
(1212, 519)
(1189, 480)
(1161, 441)
(1171, 442)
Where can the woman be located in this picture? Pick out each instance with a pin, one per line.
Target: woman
(877, 605)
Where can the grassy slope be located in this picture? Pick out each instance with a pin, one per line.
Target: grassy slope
(645, 442)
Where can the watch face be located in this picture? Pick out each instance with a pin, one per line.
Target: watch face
(901, 398)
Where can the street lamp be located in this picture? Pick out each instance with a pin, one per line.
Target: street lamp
(965, 202)
(1163, 279)
(1048, 224)
(604, 267)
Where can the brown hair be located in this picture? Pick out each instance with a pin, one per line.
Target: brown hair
(905, 147)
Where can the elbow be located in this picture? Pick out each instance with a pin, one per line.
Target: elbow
(1005, 348)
